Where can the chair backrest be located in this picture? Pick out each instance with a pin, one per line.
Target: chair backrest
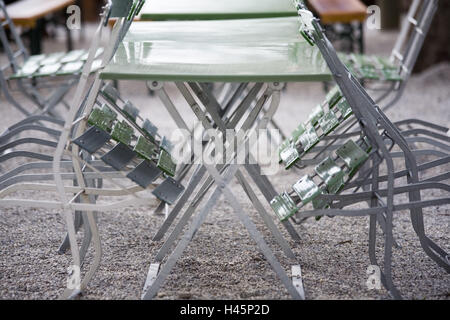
(13, 46)
(412, 35)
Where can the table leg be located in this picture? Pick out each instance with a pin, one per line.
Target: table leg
(361, 38)
(69, 39)
(36, 38)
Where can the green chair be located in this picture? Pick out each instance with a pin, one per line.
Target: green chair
(44, 79)
(395, 71)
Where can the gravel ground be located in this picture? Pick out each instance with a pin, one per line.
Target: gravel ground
(222, 261)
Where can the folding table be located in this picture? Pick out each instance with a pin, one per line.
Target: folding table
(264, 45)
(263, 52)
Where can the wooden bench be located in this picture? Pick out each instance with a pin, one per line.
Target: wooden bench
(342, 12)
(29, 14)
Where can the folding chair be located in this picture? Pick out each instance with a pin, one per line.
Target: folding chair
(319, 138)
(30, 76)
(100, 145)
(45, 79)
(328, 128)
(325, 188)
(393, 73)
(396, 71)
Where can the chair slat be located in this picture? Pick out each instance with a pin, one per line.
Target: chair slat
(331, 174)
(353, 155)
(283, 206)
(306, 189)
(166, 163)
(122, 132)
(145, 148)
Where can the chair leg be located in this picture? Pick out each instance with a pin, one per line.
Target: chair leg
(74, 279)
(69, 39)
(434, 251)
(431, 249)
(36, 38)
(65, 245)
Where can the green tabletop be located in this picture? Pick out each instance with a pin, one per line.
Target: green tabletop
(216, 9)
(250, 50)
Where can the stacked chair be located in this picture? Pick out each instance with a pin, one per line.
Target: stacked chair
(105, 149)
(393, 72)
(388, 76)
(350, 174)
(331, 133)
(130, 145)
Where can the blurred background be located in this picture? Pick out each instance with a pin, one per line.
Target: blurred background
(437, 45)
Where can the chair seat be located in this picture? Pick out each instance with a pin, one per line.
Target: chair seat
(169, 191)
(370, 67)
(56, 64)
(306, 189)
(353, 155)
(331, 174)
(144, 174)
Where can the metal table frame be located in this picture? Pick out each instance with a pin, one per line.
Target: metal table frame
(220, 177)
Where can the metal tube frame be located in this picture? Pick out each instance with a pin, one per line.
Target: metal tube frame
(221, 179)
